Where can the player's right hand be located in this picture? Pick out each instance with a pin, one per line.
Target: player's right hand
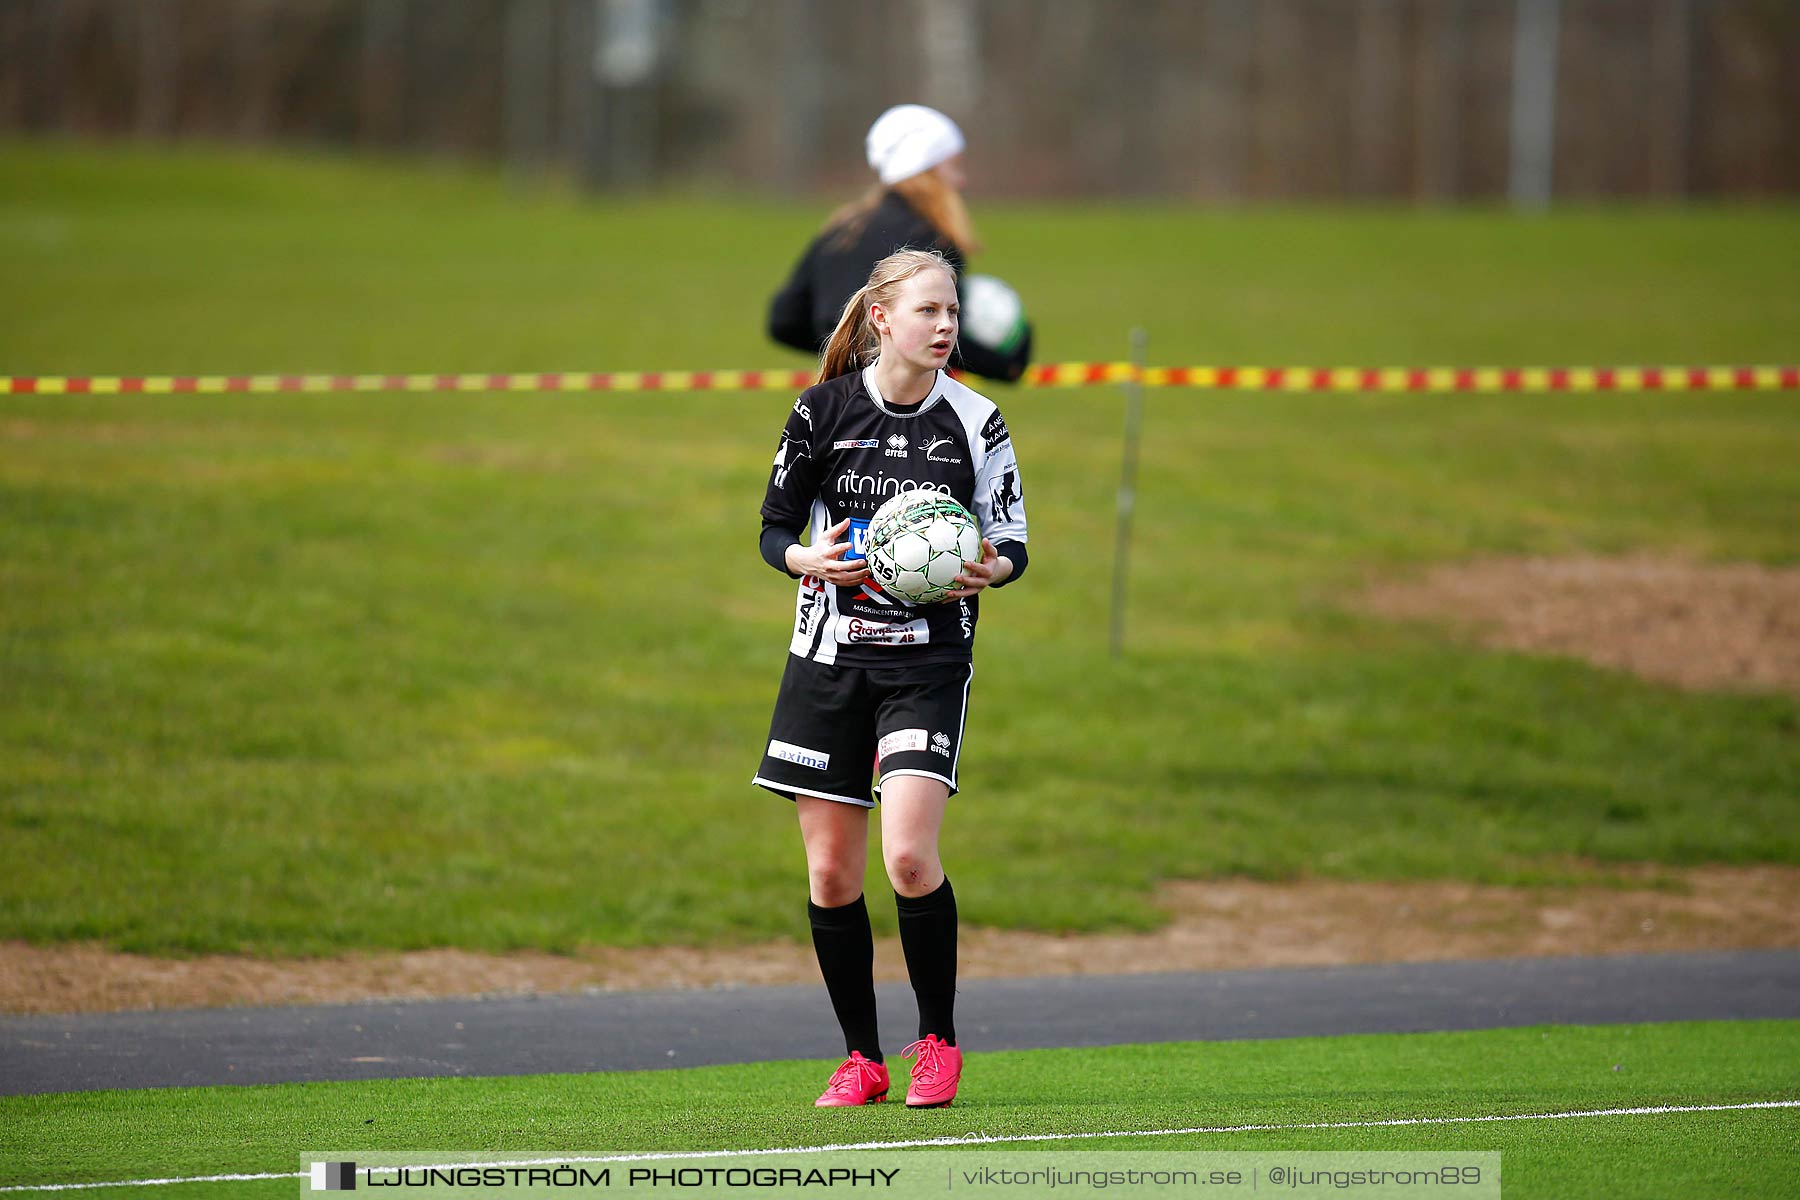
(826, 560)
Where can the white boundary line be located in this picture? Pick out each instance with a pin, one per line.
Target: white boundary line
(974, 1139)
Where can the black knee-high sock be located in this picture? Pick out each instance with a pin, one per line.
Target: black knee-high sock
(846, 950)
(928, 936)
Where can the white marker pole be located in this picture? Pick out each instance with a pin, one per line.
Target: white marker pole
(1532, 178)
(1134, 423)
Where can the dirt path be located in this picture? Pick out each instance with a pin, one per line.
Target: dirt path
(1692, 625)
(1214, 925)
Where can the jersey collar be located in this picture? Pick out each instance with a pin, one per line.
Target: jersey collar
(931, 398)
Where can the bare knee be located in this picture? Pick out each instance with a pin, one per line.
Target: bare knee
(913, 870)
(834, 884)
(834, 870)
(837, 850)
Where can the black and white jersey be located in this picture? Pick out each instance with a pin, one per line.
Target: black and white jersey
(843, 453)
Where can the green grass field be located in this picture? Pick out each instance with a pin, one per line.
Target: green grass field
(105, 1136)
(311, 674)
(307, 674)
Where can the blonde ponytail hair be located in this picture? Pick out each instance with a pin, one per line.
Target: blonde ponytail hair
(928, 195)
(943, 206)
(854, 342)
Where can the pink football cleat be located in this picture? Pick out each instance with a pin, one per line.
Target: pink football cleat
(856, 1081)
(935, 1075)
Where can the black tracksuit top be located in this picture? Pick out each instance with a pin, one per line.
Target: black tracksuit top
(806, 309)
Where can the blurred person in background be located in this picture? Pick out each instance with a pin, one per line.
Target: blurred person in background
(917, 152)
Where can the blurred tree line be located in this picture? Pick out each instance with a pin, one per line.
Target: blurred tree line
(1211, 99)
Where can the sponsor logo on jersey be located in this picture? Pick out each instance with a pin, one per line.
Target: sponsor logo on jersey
(859, 540)
(805, 413)
(896, 445)
(1006, 494)
(883, 611)
(940, 743)
(901, 740)
(818, 760)
(788, 455)
(857, 444)
(811, 607)
(994, 432)
(857, 631)
(871, 591)
(966, 617)
(932, 455)
(854, 483)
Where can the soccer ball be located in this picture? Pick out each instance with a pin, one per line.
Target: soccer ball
(992, 313)
(918, 542)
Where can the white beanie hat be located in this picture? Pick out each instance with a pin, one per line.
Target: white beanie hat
(910, 138)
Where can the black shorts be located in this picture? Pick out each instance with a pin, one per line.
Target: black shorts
(836, 726)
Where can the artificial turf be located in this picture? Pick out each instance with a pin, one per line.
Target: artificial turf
(121, 1135)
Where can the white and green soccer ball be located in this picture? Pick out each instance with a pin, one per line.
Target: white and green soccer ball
(918, 542)
(992, 313)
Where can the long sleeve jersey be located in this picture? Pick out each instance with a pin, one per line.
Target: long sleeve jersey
(843, 452)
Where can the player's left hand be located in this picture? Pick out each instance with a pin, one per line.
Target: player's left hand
(974, 577)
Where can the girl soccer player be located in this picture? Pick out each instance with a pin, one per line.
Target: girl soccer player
(916, 152)
(871, 676)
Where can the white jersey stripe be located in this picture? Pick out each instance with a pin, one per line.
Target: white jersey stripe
(899, 771)
(790, 791)
(962, 724)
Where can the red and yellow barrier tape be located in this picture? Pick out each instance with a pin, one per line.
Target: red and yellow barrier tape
(1252, 379)
(1426, 379)
(556, 381)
